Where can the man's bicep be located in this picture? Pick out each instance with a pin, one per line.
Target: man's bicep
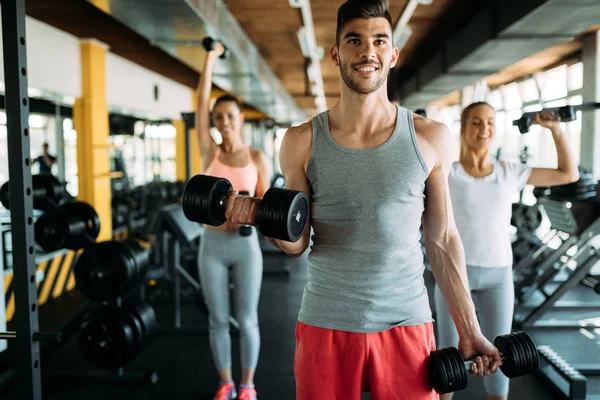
(291, 160)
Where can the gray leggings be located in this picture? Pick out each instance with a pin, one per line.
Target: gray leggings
(493, 293)
(218, 251)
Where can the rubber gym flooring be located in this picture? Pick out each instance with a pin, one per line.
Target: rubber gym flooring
(184, 364)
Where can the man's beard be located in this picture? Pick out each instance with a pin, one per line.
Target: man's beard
(355, 84)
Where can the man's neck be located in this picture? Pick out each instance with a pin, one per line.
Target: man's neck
(363, 113)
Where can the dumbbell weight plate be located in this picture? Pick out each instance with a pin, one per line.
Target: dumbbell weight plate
(86, 213)
(282, 214)
(527, 357)
(107, 325)
(512, 363)
(201, 199)
(533, 360)
(144, 313)
(137, 328)
(105, 271)
(439, 374)
(455, 361)
(50, 231)
(459, 362)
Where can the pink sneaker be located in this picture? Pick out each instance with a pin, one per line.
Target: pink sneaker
(226, 391)
(247, 393)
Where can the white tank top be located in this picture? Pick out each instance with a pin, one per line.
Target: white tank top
(482, 210)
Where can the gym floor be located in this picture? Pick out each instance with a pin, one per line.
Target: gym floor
(185, 368)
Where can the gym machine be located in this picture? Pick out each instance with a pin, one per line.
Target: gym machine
(175, 232)
(27, 337)
(544, 275)
(576, 224)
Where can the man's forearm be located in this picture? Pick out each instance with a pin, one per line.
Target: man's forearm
(448, 266)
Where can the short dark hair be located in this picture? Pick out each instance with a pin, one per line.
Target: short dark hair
(365, 9)
(227, 98)
(464, 116)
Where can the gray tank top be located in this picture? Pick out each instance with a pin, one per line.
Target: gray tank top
(366, 267)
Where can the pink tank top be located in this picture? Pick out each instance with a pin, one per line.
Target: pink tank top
(242, 178)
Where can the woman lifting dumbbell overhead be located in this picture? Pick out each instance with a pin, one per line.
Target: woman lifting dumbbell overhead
(481, 190)
(226, 246)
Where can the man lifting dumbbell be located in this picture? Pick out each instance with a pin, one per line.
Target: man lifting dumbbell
(365, 321)
(222, 246)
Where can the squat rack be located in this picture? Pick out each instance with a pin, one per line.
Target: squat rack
(21, 202)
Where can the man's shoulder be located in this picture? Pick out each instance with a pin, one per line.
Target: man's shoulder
(429, 129)
(300, 134)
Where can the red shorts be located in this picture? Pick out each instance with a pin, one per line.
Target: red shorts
(339, 365)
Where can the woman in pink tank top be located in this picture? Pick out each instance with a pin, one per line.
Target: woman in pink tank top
(227, 246)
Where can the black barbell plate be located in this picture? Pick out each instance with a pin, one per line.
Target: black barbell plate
(201, 198)
(298, 212)
(86, 213)
(267, 218)
(525, 355)
(533, 359)
(113, 261)
(517, 354)
(506, 348)
(282, 214)
(447, 384)
(50, 231)
(532, 362)
(452, 372)
(438, 375)
(459, 362)
(145, 314)
(106, 324)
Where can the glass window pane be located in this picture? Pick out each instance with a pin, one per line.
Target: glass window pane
(576, 100)
(531, 108)
(512, 97)
(553, 83)
(529, 90)
(555, 103)
(500, 122)
(467, 95)
(494, 98)
(575, 77)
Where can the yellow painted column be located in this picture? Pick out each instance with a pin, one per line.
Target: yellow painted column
(90, 119)
(180, 151)
(104, 5)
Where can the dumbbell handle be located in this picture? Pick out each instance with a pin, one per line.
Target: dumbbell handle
(468, 363)
(223, 201)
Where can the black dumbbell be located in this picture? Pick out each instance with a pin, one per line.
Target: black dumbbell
(449, 372)
(281, 214)
(47, 192)
(72, 226)
(210, 44)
